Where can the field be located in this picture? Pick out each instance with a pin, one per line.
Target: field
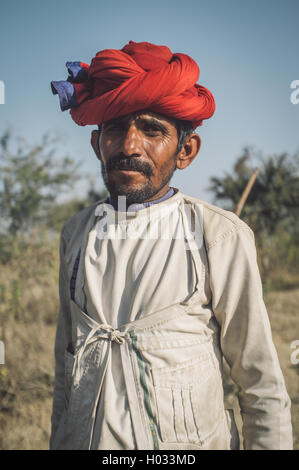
(28, 311)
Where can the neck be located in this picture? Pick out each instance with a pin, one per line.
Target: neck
(161, 193)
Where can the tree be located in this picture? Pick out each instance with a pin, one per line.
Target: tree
(274, 199)
(31, 181)
(271, 210)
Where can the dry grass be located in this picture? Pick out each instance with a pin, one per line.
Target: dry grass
(28, 309)
(29, 305)
(283, 313)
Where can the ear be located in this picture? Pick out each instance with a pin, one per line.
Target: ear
(94, 140)
(189, 151)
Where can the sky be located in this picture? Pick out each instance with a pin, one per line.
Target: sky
(247, 52)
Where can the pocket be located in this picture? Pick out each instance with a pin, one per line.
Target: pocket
(188, 399)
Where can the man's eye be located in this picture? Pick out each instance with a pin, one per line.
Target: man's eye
(114, 127)
(152, 130)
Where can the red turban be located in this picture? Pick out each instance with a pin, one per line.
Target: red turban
(139, 76)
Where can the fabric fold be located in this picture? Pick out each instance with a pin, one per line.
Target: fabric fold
(66, 92)
(78, 71)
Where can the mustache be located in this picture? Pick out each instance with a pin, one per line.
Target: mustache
(121, 162)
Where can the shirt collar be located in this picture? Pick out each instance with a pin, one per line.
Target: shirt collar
(138, 206)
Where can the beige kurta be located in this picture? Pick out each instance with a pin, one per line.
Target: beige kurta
(127, 278)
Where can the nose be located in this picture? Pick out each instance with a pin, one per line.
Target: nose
(132, 142)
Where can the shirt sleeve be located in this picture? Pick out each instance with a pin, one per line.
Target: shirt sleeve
(62, 339)
(246, 341)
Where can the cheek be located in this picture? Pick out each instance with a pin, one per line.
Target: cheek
(107, 148)
(106, 144)
(162, 153)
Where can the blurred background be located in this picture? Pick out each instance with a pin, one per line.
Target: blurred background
(248, 57)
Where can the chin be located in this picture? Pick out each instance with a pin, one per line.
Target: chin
(132, 194)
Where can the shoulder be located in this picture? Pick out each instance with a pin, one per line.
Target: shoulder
(218, 223)
(78, 222)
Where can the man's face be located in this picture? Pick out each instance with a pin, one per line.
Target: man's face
(138, 155)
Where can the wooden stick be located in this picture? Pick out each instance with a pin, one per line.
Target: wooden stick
(246, 192)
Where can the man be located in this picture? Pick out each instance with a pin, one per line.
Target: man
(156, 287)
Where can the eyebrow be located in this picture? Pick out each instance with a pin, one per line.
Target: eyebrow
(154, 122)
(145, 120)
